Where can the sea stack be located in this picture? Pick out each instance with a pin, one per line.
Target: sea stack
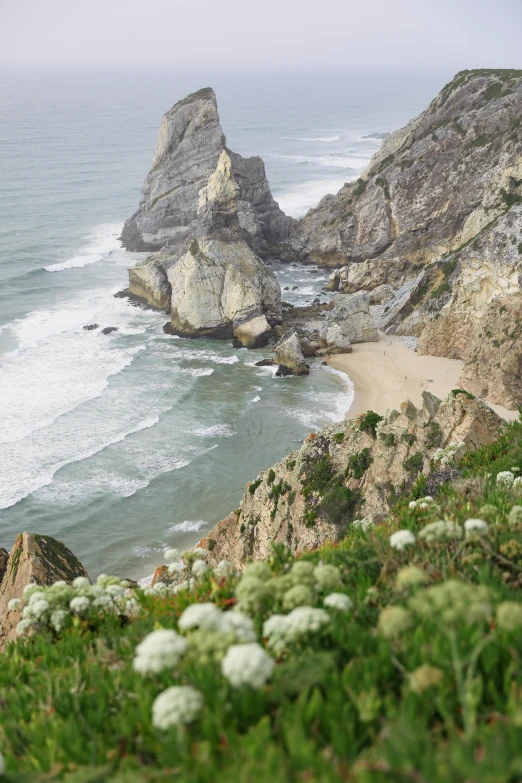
(210, 214)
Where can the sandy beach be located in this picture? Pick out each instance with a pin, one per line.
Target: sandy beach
(386, 373)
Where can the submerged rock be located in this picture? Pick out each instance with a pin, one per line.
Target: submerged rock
(109, 330)
(34, 559)
(289, 357)
(90, 327)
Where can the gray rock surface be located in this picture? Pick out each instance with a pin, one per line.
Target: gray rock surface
(190, 150)
(347, 321)
(288, 354)
(220, 288)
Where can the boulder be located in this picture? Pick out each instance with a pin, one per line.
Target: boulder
(34, 559)
(109, 330)
(288, 355)
(90, 327)
(219, 287)
(252, 332)
(348, 321)
(333, 281)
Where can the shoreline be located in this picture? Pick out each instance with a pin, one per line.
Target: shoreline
(386, 373)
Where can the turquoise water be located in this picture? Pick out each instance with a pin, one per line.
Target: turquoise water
(124, 444)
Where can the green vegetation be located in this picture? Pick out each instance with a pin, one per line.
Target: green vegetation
(318, 478)
(271, 476)
(441, 289)
(358, 464)
(360, 187)
(469, 395)
(388, 438)
(479, 141)
(510, 199)
(385, 162)
(433, 435)
(414, 463)
(277, 492)
(254, 485)
(368, 422)
(409, 438)
(290, 465)
(339, 504)
(194, 247)
(410, 674)
(338, 437)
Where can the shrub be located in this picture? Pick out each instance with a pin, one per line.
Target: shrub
(338, 437)
(254, 485)
(388, 438)
(414, 463)
(409, 438)
(358, 464)
(271, 476)
(368, 423)
(433, 435)
(467, 394)
(318, 478)
(339, 504)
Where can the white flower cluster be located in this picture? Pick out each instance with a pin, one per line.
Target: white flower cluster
(280, 630)
(209, 617)
(476, 527)
(247, 664)
(161, 649)
(507, 479)
(423, 503)
(55, 606)
(401, 539)
(180, 704)
(441, 530)
(447, 455)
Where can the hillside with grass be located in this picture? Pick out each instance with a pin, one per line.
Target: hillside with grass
(394, 655)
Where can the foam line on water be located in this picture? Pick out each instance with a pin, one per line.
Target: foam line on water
(102, 241)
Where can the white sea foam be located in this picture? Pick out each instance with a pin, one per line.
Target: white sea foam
(297, 201)
(197, 372)
(188, 526)
(313, 138)
(257, 398)
(329, 161)
(102, 241)
(213, 431)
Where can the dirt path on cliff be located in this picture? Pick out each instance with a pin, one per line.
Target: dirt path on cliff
(386, 373)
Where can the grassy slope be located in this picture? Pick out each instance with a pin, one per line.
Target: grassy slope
(340, 707)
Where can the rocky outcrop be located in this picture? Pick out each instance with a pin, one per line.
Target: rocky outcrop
(4, 557)
(220, 288)
(34, 559)
(315, 492)
(196, 182)
(348, 321)
(289, 356)
(437, 215)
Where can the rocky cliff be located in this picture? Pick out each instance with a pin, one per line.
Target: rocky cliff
(191, 163)
(356, 468)
(437, 216)
(34, 559)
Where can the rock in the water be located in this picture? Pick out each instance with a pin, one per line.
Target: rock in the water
(333, 281)
(109, 329)
(252, 332)
(219, 286)
(347, 322)
(265, 363)
(90, 327)
(191, 164)
(289, 357)
(34, 559)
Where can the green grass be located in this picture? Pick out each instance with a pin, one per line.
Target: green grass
(417, 683)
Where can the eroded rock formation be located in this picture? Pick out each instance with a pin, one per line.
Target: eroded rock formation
(437, 216)
(313, 494)
(34, 559)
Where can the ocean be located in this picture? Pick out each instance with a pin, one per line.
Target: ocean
(125, 444)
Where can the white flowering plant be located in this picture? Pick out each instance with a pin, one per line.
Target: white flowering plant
(321, 667)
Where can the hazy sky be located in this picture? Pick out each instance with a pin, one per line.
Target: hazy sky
(264, 34)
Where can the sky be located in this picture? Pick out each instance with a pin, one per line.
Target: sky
(264, 34)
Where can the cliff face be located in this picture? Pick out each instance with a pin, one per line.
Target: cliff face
(437, 216)
(34, 559)
(344, 471)
(191, 156)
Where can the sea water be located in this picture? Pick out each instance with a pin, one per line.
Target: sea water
(124, 444)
